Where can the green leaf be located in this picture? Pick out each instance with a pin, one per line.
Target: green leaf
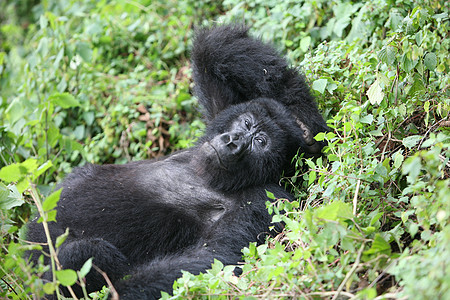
(43, 47)
(398, 159)
(11, 173)
(43, 22)
(312, 177)
(52, 200)
(86, 268)
(85, 51)
(417, 85)
(411, 141)
(62, 238)
(430, 61)
(368, 119)
(39, 171)
(270, 195)
(261, 249)
(412, 166)
(51, 216)
(15, 110)
(379, 246)
(407, 64)
(18, 171)
(216, 267)
(335, 211)
(320, 136)
(390, 54)
(375, 93)
(65, 100)
(2, 57)
(320, 85)
(305, 43)
(66, 277)
(10, 197)
(49, 288)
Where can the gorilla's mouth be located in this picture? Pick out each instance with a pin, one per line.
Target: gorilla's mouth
(219, 160)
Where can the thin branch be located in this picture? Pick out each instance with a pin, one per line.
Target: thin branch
(355, 198)
(112, 290)
(350, 273)
(55, 264)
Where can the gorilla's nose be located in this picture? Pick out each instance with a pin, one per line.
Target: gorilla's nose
(235, 142)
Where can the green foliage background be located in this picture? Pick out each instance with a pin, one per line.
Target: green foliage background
(109, 82)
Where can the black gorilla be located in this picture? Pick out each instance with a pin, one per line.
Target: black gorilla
(152, 219)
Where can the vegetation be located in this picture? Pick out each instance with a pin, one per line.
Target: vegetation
(108, 82)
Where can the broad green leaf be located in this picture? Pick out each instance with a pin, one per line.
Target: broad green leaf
(375, 93)
(305, 43)
(15, 110)
(18, 171)
(85, 51)
(407, 64)
(411, 141)
(320, 136)
(52, 200)
(43, 22)
(417, 85)
(412, 166)
(30, 165)
(395, 18)
(261, 249)
(415, 52)
(66, 277)
(11, 173)
(58, 58)
(430, 61)
(398, 159)
(49, 288)
(379, 246)
(43, 47)
(382, 55)
(334, 211)
(426, 106)
(390, 54)
(413, 228)
(367, 119)
(216, 267)
(320, 85)
(65, 100)
(10, 197)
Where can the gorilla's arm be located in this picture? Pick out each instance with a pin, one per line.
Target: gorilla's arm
(231, 67)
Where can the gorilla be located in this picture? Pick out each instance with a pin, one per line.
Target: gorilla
(145, 221)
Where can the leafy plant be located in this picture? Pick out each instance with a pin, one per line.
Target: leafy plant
(108, 82)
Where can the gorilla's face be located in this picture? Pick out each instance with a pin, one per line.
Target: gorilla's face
(247, 145)
(245, 139)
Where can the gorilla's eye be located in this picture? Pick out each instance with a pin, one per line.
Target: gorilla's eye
(261, 140)
(247, 124)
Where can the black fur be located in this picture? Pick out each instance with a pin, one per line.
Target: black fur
(236, 67)
(152, 219)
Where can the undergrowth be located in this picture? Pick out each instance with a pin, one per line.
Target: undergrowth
(109, 82)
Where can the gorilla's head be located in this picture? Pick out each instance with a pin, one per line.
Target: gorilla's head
(248, 144)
